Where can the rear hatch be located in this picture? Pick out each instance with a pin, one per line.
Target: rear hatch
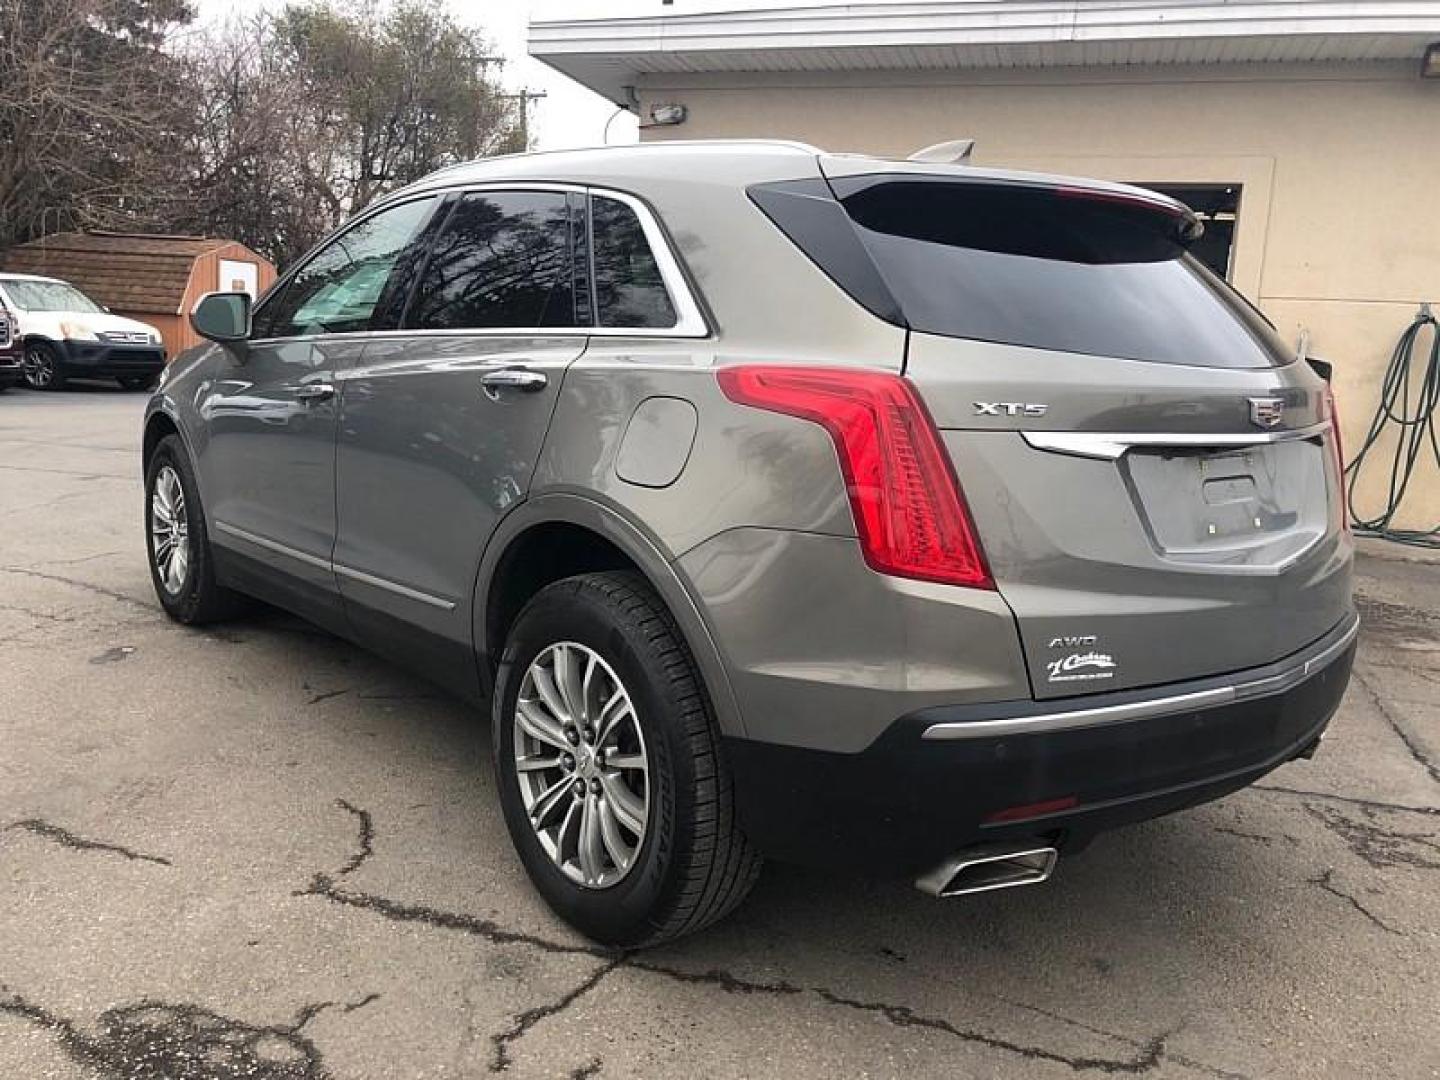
(1152, 475)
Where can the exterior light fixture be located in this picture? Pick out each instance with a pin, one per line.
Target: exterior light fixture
(1430, 63)
(667, 115)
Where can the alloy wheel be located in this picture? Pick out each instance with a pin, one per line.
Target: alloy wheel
(169, 530)
(38, 367)
(582, 766)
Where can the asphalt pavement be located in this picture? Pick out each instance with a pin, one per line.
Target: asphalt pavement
(257, 851)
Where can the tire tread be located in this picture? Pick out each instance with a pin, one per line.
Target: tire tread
(718, 867)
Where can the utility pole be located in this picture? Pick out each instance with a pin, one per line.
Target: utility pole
(525, 97)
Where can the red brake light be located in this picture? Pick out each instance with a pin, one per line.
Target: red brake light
(909, 512)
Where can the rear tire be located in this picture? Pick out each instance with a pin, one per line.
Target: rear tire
(182, 568)
(692, 865)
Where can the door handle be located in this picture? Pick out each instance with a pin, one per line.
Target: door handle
(514, 378)
(315, 391)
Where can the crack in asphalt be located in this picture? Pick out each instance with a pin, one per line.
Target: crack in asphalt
(367, 838)
(326, 886)
(1349, 800)
(1411, 743)
(523, 1022)
(1170, 1055)
(1326, 881)
(1375, 844)
(88, 586)
(83, 558)
(723, 980)
(158, 1040)
(66, 838)
(1150, 1052)
(67, 472)
(309, 1012)
(35, 613)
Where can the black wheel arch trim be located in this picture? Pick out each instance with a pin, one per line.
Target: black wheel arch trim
(161, 406)
(644, 551)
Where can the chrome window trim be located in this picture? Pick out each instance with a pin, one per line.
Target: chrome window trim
(1110, 446)
(690, 321)
(334, 567)
(1046, 723)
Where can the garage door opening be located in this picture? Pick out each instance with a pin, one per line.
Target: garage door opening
(1218, 206)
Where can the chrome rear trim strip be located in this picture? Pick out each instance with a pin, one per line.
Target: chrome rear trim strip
(1108, 445)
(1045, 723)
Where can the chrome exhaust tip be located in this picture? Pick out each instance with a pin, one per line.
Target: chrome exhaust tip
(989, 867)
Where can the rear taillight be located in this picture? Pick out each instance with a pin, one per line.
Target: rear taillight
(1339, 457)
(909, 512)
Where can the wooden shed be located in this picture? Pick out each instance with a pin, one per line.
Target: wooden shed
(156, 279)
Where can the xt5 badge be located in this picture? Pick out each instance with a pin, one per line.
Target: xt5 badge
(1081, 660)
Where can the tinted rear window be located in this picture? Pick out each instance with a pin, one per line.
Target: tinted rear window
(629, 290)
(1050, 270)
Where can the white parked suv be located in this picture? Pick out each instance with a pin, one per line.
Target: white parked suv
(68, 335)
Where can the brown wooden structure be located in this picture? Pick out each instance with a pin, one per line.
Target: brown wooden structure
(156, 279)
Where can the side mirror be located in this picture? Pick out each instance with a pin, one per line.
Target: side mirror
(222, 317)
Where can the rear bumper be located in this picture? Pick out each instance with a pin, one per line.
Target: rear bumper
(96, 359)
(909, 800)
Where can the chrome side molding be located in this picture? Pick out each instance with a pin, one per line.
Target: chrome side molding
(1109, 446)
(334, 567)
(272, 545)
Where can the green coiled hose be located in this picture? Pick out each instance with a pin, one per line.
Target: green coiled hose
(1410, 410)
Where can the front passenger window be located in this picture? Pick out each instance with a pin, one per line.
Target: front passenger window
(336, 291)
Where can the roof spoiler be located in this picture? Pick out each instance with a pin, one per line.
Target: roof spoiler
(951, 152)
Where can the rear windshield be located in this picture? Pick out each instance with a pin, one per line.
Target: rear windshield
(1050, 269)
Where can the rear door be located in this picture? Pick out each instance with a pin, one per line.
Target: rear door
(444, 418)
(1153, 477)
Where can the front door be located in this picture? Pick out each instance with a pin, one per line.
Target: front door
(443, 422)
(269, 472)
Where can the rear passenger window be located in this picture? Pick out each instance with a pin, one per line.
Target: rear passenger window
(629, 291)
(503, 260)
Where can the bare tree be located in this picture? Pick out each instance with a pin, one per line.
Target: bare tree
(270, 129)
(243, 172)
(86, 111)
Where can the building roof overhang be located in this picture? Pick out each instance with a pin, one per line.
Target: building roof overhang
(610, 54)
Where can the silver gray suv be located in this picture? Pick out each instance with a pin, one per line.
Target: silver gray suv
(903, 516)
